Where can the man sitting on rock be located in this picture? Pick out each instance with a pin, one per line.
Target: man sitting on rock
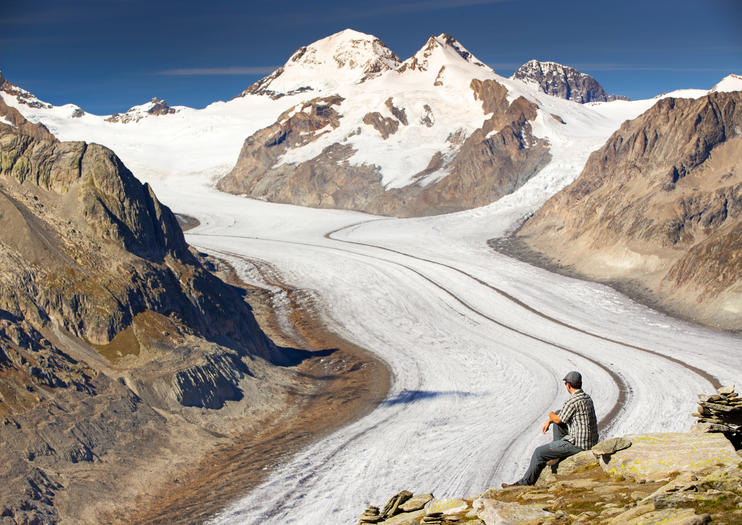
(575, 430)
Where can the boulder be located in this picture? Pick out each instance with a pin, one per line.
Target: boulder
(392, 506)
(570, 465)
(654, 457)
(495, 512)
(610, 446)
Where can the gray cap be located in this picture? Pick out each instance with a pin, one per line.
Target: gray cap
(574, 379)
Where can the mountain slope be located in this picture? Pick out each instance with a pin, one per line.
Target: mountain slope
(660, 203)
(111, 331)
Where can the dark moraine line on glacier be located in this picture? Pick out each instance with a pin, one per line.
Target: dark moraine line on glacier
(624, 390)
(704, 374)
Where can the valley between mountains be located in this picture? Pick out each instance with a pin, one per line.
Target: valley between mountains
(374, 187)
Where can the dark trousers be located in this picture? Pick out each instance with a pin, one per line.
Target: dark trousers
(557, 449)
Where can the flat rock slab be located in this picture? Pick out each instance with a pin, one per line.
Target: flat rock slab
(495, 512)
(670, 517)
(654, 457)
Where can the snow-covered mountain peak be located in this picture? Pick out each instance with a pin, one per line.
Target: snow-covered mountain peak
(729, 83)
(440, 51)
(347, 49)
(347, 57)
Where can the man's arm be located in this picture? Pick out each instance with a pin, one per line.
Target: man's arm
(553, 418)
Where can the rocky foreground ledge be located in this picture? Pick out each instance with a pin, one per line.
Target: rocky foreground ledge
(670, 478)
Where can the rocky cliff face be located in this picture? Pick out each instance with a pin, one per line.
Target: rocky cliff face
(105, 316)
(660, 203)
(477, 169)
(564, 82)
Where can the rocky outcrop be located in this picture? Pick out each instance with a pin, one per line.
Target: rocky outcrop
(660, 456)
(660, 204)
(106, 317)
(385, 126)
(720, 412)
(491, 162)
(580, 491)
(564, 82)
(156, 107)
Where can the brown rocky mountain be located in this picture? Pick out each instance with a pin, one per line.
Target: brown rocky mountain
(491, 162)
(563, 81)
(116, 345)
(660, 204)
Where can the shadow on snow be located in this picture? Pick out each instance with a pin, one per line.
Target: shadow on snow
(411, 396)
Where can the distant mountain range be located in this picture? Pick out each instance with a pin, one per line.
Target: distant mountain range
(346, 123)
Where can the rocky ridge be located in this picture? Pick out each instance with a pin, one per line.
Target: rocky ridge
(564, 82)
(680, 478)
(660, 205)
(115, 341)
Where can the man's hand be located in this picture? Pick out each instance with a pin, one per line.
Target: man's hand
(553, 418)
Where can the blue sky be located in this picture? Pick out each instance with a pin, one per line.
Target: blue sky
(107, 55)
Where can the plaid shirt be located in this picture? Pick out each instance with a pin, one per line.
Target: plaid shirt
(579, 415)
